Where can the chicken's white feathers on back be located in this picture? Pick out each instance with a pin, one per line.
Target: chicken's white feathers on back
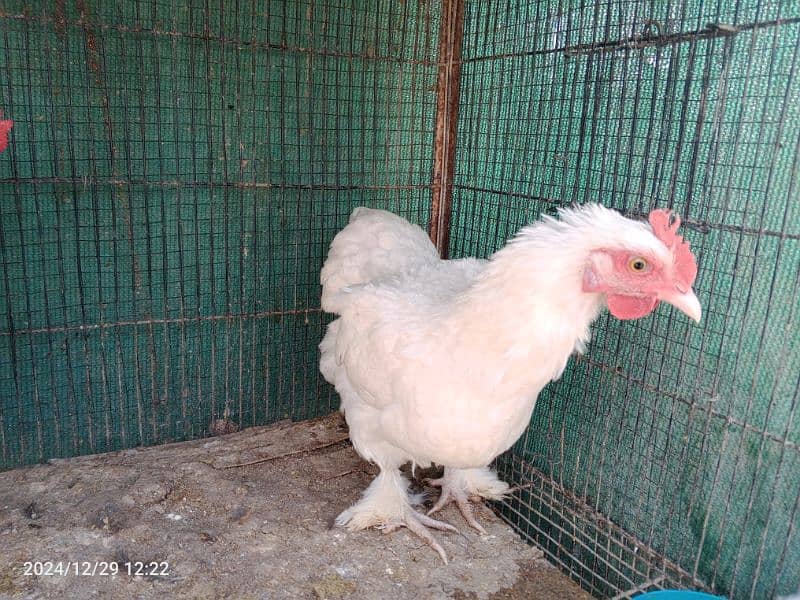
(423, 359)
(376, 244)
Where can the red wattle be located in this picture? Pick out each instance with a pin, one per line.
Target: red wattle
(630, 307)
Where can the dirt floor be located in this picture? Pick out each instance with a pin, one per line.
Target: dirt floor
(243, 515)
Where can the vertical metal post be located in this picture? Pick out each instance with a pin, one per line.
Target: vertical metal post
(444, 148)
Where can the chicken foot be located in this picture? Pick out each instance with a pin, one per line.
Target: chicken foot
(462, 501)
(418, 524)
(464, 485)
(385, 505)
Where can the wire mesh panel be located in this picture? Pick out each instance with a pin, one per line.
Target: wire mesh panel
(668, 454)
(175, 174)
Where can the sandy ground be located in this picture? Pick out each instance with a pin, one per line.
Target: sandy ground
(243, 515)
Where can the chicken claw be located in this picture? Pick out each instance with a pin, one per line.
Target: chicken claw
(418, 524)
(451, 493)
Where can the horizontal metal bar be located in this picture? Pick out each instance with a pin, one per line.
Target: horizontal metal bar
(638, 42)
(176, 183)
(165, 321)
(240, 44)
(702, 226)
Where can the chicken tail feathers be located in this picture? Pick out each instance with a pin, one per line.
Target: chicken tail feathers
(375, 245)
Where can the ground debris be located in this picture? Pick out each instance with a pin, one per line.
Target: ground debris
(245, 514)
(333, 586)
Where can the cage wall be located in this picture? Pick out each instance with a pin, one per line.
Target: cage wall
(177, 170)
(668, 454)
(175, 174)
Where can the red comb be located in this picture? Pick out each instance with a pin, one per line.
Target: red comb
(5, 127)
(665, 227)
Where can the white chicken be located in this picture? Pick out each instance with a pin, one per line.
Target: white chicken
(441, 361)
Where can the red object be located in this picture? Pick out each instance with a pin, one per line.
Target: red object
(630, 307)
(665, 226)
(5, 127)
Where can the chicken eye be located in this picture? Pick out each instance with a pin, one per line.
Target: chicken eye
(637, 264)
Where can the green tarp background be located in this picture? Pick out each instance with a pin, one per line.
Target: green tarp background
(670, 451)
(177, 170)
(175, 175)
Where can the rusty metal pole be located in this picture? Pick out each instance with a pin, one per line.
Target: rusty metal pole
(451, 34)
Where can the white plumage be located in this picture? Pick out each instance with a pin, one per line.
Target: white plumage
(441, 361)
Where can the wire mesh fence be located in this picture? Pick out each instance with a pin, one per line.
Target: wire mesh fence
(175, 175)
(668, 455)
(177, 171)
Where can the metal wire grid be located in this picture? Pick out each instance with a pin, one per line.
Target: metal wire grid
(684, 439)
(150, 224)
(175, 175)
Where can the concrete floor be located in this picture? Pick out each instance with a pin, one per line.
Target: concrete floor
(243, 515)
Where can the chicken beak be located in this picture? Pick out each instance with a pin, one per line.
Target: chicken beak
(686, 302)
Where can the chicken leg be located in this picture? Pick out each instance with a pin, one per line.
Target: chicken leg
(464, 485)
(385, 505)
